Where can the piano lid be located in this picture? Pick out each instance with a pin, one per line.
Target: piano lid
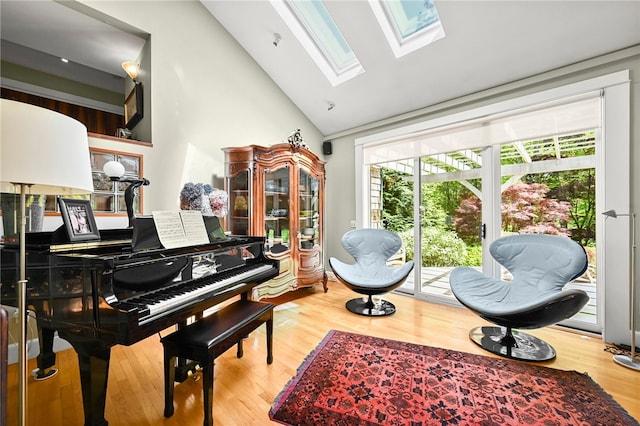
(57, 241)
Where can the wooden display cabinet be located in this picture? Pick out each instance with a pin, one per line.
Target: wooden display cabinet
(278, 192)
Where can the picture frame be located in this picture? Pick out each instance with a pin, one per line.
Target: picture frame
(78, 219)
(133, 107)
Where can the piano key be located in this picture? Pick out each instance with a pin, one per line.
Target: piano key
(167, 299)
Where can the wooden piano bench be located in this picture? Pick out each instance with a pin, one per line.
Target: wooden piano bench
(203, 340)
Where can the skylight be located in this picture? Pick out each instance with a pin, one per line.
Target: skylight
(312, 24)
(408, 24)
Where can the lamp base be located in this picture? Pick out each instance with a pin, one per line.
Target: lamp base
(39, 374)
(627, 361)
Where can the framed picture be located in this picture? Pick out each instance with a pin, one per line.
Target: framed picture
(77, 216)
(133, 107)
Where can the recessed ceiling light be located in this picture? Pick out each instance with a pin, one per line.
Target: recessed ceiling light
(65, 60)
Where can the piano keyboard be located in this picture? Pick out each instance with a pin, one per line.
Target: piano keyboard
(164, 300)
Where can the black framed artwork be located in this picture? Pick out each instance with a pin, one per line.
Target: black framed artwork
(133, 111)
(78, 219)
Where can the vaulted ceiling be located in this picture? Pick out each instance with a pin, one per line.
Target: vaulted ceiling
(487, 43)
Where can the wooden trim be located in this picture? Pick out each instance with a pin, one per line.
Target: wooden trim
(117, 139)
(95, 120)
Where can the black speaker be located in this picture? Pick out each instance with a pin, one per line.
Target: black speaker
(326, 148)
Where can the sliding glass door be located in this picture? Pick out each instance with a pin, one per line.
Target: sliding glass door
(456, 202)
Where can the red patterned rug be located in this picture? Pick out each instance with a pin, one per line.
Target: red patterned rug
(351, 379)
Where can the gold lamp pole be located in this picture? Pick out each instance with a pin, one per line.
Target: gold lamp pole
(48, 153)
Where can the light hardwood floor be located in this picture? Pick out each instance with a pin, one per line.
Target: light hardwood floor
(245, 388)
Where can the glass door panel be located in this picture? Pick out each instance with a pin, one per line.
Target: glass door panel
(549, 187)
(309, 211)
(391, 207)
(239, 216)
(276, 205)
(451, 219)
(450, 215)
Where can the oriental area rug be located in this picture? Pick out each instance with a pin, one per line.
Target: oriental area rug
(351, 379)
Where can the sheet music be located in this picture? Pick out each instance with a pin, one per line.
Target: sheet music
(180, 228)
(194, 229)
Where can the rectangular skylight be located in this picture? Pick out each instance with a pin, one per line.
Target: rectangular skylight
(313, 26)
(408, 24)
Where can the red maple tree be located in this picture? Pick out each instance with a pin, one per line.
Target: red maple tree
(525, 209)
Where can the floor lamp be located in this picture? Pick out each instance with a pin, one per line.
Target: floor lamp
(41, 152)
(629, 360)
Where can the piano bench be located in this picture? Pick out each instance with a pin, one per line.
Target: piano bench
(203, 340)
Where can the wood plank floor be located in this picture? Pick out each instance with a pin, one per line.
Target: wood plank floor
(245, 388)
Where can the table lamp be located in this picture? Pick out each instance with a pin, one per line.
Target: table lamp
(115, 171)
(43, 152)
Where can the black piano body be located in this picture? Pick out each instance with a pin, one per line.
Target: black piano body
(100, 294)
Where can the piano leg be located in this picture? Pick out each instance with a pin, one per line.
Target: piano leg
(93, 358)
(47, 357)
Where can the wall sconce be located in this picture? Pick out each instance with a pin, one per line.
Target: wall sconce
(132, 69)
(115, 171)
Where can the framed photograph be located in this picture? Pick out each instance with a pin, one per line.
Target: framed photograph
(133, 107)
(78, 219)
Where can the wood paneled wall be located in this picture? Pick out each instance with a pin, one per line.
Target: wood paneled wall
(96, 121)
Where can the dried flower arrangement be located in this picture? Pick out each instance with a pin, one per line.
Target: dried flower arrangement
(203, 197)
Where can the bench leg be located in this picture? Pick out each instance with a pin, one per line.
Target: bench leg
(240, 352)
(207, 390)
(270, 339)
(169, 378)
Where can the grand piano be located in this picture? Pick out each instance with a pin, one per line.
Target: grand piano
(112, 292)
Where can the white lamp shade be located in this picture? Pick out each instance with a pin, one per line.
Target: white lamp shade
(44, 149)
(113, 169)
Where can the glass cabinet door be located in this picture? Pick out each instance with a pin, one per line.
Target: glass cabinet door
(239, 203)
(309, 210)
(276, 204)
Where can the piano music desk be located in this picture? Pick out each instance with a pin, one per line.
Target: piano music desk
(203, 340)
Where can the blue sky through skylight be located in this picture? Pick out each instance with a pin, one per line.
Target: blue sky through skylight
(411, 16)
(325, 33)
(407, 24)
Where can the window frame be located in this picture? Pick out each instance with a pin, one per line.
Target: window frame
(117, 189)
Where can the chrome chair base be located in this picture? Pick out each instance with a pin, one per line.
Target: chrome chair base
(369, 308)
(512, 344)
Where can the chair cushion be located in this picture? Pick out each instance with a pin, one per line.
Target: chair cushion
(371, 246)
(371, 276)
(489, 295)
(547, 262)
(541, 266)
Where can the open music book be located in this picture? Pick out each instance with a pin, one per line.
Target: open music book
(180, 228)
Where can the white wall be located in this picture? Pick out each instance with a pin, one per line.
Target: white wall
(206, 93)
